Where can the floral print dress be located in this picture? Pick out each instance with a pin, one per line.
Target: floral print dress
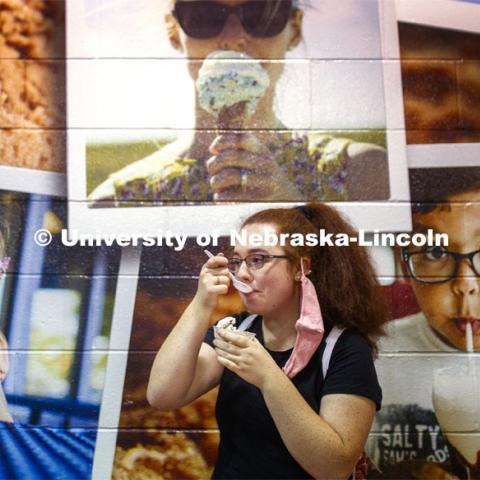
(314, 163)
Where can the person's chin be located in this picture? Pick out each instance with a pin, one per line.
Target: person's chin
(252, 302)
(454, 335)
(252, 306)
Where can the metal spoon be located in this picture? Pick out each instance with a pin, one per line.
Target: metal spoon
(240, 286)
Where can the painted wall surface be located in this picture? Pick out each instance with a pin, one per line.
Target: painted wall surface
(389, 91)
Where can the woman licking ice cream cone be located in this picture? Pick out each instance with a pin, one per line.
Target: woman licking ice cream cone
(240, 150)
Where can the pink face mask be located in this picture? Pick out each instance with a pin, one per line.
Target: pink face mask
(309, 329)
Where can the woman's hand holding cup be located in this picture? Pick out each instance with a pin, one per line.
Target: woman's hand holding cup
(246, 357)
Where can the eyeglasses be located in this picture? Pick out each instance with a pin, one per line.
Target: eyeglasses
(206, 18)
(4, 263)
(438, 265)
(255, 261)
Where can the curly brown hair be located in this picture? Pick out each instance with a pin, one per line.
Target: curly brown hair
(345, 281)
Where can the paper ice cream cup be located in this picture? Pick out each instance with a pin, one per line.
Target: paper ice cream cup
(249, 335)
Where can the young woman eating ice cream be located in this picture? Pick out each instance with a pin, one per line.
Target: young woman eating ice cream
(262, 161)
(298, 400)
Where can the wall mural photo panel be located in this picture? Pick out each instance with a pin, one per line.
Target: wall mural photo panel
(32, 73)
(231, 128)
(440, 71)
(56, 307)
(429, 364)
(372, 106)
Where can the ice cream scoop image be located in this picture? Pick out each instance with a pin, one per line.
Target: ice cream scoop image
(231, 81)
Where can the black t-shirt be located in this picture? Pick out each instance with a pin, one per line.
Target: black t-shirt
(250, 444)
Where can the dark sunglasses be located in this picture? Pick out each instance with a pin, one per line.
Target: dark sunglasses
(259, 18)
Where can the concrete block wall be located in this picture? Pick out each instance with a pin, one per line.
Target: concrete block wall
(441, 90)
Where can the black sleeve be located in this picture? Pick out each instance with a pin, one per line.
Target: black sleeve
(208, 339)
(351, 369)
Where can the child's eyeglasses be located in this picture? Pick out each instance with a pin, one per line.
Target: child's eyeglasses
(4, 263)
(206, 18)
(255, 261)
(438, 265)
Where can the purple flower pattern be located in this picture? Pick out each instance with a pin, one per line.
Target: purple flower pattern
(309, 161)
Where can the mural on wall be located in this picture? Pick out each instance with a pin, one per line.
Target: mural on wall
(441, 84)
(222, 125)
(325, 122)
(429, 369)
(32, 70)
(56, 306)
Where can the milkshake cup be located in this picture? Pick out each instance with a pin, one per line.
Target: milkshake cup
(229, 324)
(456, 401)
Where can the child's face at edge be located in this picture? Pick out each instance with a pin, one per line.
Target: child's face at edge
(448, 306)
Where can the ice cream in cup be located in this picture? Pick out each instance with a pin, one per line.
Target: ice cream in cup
(229, 324)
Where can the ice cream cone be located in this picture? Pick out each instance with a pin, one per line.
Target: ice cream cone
(229, 86)
(232, 118)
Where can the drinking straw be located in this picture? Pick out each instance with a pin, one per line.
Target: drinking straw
(469, 337)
